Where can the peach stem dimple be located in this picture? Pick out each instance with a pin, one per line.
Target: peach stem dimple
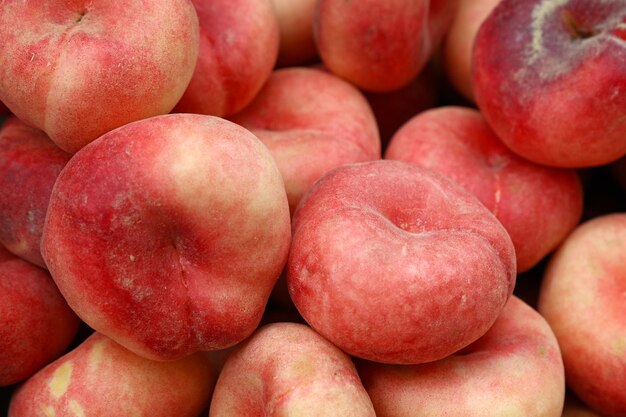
(575, 27)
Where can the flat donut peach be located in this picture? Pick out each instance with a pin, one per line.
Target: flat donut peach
(168, 234)
(515, 369)
(582, 298)
(312, 122)
(396, 264)
(287, 369)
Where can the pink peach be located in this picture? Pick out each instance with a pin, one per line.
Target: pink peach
(239, 42)
(36, 324)
(78, 69)
(168, 234)
(549, 78)
(312, 122)
(29, 166)
(582, 298)
(515, 369)
(380, 266)
(102, 379)
(380, 46)
(537, 205)
(286, 369)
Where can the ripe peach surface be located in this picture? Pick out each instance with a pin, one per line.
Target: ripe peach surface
(36, 324)
(100, 378)
(287, 369)
(379, 263)
(312, 122)
(514, 370)
(548, 76)
(239, 42)
(380, 45)
(582, 298)
(537, 205)
(29, 165)
(77, 69)
(168, 234)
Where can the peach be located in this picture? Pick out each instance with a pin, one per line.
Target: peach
(380, 46)
(295, 24)
(168, 234)
(102, 379)
(312, 122)
(515, 369)
(537, 205)
(548, 76)
(36, 324)
(78, 69)
(582, 297)
(286, 369)
(459, 41)
(239, 42)
(380, 266)
(29, 165)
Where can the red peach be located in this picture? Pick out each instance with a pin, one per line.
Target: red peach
(582, 298)
(29, 165)
(491, 377)
(537, 205)
(312, 122)
(380, 266)
(102, 379)
(78, 69)
(168, 234)
(239, 42)
(380, 46)
(36, 324)
(286, 369)
(459, 41)
(295, 24)
(549, 78)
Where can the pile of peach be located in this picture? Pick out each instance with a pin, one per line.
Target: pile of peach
(312, 208)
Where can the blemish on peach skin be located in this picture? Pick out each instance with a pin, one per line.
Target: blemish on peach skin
(60, 380)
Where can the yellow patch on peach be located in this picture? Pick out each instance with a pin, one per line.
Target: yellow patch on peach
(619, 346)
(47, 410)
(60, 380)
(77, 409)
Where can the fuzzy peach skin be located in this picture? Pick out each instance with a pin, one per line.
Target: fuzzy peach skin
(549, 77)
(239, 42)
(312, 122)
(380, 45)
(295, 24)
(582, 297)
(459, 41)
(168, 234)
(102, 379)
(77, 69)
(288, 370)
(514, 370)
(537, 205)
(36, 324)
(29, 165)
(380, 265)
